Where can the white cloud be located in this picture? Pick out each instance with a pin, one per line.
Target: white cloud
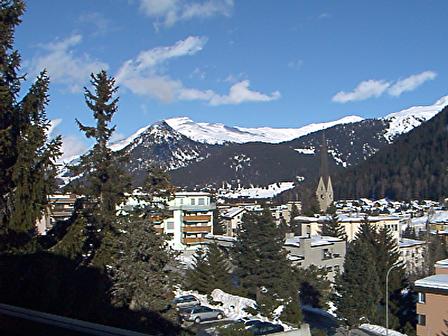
(238, 93)
(53, 124)
(411, 83)
(142, 77)
(168, 12)
(71, 148)
(364, 90)
(64, 65)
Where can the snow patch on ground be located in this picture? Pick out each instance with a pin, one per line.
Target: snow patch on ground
(309, 151)
(232, 305)
(256, 192)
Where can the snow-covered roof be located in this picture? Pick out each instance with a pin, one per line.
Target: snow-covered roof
(315, 240)
(406, 242)
(442, 263)
(438, 281)
(220, 237)
(232, 212)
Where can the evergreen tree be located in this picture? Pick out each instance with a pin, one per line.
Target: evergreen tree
(292, 223)
(314, 288)
(283, 227)
(140, 277)
(357, 289)
(261, 264)
(197, 278)
(333, 228)
(210, 271)
(27, 163)
(387, 254)
(105, 183)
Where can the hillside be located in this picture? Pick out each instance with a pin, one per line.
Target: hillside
(414, 166)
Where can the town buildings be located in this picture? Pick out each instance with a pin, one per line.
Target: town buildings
(432, 305)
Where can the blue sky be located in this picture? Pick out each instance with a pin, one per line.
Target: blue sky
(247, 63)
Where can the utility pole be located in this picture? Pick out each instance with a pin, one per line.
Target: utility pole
(387, 297)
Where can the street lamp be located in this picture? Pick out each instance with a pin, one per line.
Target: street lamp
(387, 296)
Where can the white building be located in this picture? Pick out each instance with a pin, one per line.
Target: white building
(232, 219)
(191, 220)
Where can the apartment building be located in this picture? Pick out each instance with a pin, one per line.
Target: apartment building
(190, 221)
(321, 251)
(60, 208)
(412, 254)
(351, 223)
(232, 219)
(432, 305)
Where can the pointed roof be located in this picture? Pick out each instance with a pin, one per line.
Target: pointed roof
(324, 171)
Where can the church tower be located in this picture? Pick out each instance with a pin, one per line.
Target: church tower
(324, 192)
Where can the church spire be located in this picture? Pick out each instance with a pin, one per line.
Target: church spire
(324, 171)
(324, 192)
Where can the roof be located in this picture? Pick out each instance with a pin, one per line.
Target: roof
(438, 281)
(442, 263)
(315, 240)
(406, 242)
(232, 212)
(192, 193)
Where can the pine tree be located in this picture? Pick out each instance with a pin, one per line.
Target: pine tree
(105, 183)
(261, 264)
(313, 286)
(211, 270)
(140, 279)
(357, 289)
(292, 223)
(10, 82)
(197, 278)
(387, 254)
(333, 228)
(27, 163)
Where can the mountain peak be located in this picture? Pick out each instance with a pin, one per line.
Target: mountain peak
(218, 133)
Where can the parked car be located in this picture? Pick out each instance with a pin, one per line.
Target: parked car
(186, 301)
(197, 314)
(264, 328)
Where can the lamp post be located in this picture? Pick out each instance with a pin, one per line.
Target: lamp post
(387, 297)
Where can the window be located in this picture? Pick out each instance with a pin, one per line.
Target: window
(170, 225)
(193, 201)
(181, 201)
(421, 297)
(421, 320)
(329, 269)
(337, 269)
(326, 254)
(201, 201)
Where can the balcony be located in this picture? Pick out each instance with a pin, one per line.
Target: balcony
(193, 240)
(192, 228)
(197, 218)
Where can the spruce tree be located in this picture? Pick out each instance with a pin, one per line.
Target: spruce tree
(104, 183)
(357, 289)
(292, 223)
(261, 264)
(333, 228)
(139, 270)
(27, 163)
(313, 286)
(211, 270)
(197, 278)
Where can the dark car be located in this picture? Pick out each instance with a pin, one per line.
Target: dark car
(265, 328)
(186, 301)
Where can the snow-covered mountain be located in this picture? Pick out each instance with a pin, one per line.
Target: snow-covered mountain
(216, 133)
(199, 154)
(406, 120)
